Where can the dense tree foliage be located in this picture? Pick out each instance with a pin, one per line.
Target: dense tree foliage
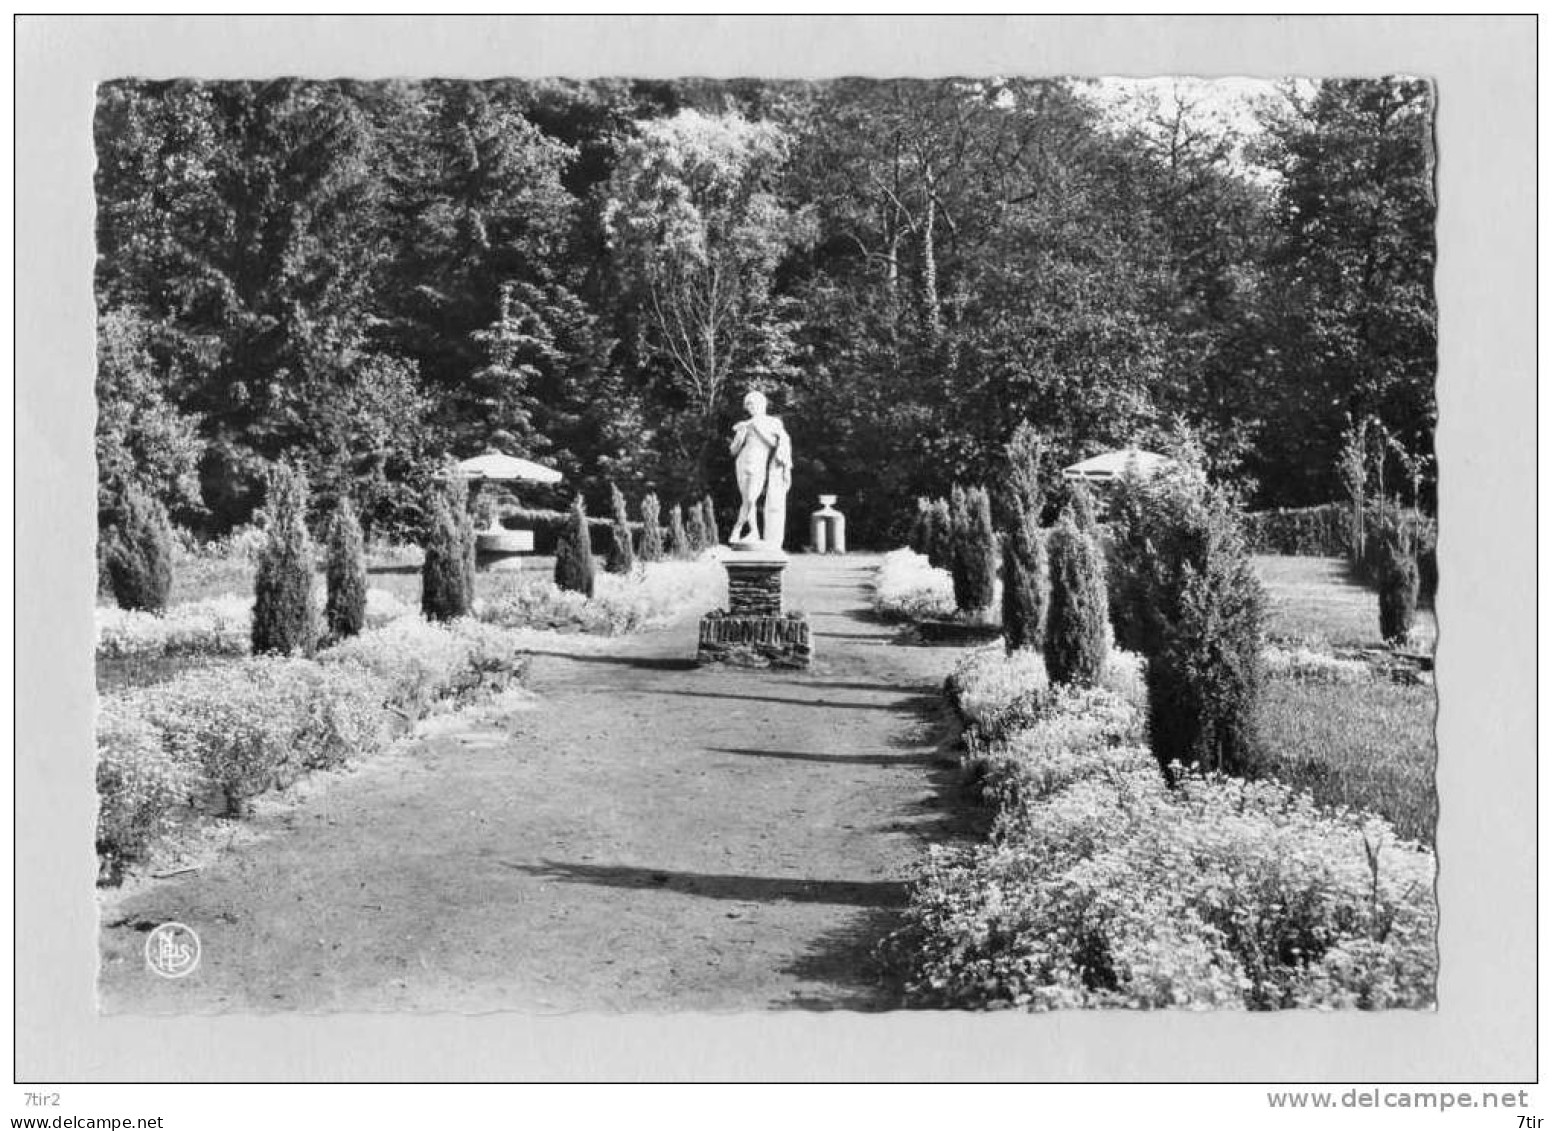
(367, 278)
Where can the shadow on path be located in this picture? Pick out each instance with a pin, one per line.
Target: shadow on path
(826, 703)
(653, 663)
(825, 759)
(748, 889)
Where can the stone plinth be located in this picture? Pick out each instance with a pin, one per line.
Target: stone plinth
(755, 631)
(502, 549)
(755, 641)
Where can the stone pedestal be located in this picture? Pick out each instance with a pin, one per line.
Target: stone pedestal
(755, 631)
(828, 527)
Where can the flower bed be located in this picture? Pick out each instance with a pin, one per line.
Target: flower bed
(216, 626)
(653, 594)
(1102, 887)
(241, 728)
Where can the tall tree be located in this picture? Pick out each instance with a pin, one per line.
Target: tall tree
(697, 231)
(1354, 331)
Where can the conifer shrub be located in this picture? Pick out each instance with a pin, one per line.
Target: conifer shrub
(463, 518)
(1186, 596)
(917, 540)
(1081, 504)
(136, 552)
(1075, 642)
(695, 532)
(1021, 459)
(678, 540)
(284, 619)
(1205, 675)
(344, 613)
(940, 535)
(975, 551)
(1025, 587)
(622, 550)
(1398, 584)
(574, 569)
(713, 535)
(445, 593)
(651, 531)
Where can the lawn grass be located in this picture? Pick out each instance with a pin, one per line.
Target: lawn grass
(1364, 746)
(1314, 602)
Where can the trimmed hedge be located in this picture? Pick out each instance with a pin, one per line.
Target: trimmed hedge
(1312, 532)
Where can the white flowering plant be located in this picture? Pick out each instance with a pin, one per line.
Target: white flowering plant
(139, 783)
(1101, 886)
(652, 594)
(907, 586)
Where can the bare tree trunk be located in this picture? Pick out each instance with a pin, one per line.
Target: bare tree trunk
(932, 316)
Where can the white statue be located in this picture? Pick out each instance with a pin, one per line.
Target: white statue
(762, 453)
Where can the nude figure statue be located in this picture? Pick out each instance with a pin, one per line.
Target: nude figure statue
(762, 453)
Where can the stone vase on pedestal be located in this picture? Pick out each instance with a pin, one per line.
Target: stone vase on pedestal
(828, 527)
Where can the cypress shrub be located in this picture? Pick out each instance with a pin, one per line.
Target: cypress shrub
(696, 531)
(344, 613)
(464, 519)
(975, 551)
(678, 540)
(1204, 673)
(136, 552)
(283, 616)
(713, 536)
(574, 567)
(1128, 564)
(1398, 583)
(446, 592)
(622, 551)
(1021, 456)
(1024, 587)
(940, 535)
(651, 532)
(921, 528)
(1075, 642)
(1081, 503)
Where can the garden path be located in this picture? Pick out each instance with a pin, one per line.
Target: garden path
(643, 836)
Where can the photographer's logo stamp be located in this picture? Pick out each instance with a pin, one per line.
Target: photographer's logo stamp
(172, 950)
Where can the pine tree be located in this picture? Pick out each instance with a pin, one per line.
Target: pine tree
(137, 552)
(1075, 643)
(284, 620)
(651, 532)
(574, 568)
(622, 552)
(344, 613)
(446, 590)
(678, 540)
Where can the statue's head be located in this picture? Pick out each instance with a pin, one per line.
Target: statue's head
(754, 403)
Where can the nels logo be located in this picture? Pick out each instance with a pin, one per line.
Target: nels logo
(172, 950)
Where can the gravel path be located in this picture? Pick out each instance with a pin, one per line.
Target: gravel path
(643, 835)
